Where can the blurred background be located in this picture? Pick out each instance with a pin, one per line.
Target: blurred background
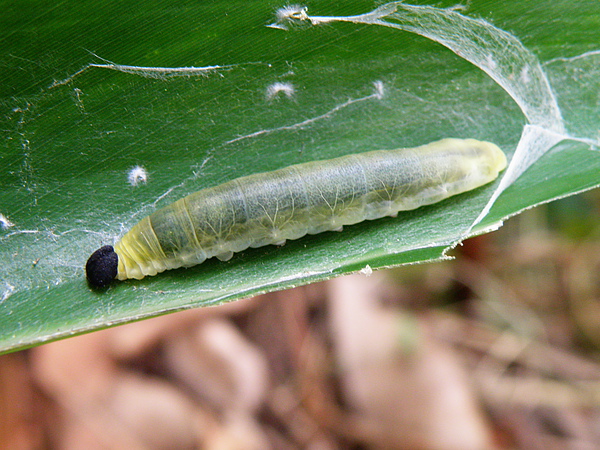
(497, 348)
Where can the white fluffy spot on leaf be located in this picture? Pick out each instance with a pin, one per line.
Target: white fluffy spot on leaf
(5, 223)
(278, 89)
(137, 175)
(366, 271)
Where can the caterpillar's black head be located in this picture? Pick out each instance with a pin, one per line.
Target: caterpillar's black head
(101, 268)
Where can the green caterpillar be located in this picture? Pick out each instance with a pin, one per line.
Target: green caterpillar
(309, 198)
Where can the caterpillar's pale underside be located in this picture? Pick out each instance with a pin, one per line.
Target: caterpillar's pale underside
(269, 208)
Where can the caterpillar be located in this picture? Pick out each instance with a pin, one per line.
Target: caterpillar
(309, 198)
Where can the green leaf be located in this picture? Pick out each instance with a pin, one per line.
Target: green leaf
(198, 93)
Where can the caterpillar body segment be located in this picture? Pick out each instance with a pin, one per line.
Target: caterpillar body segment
(272, 207)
